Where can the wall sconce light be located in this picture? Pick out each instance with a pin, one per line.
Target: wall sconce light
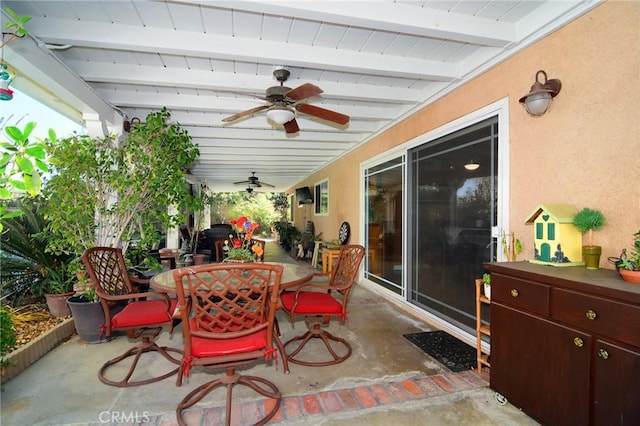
(280, 114)
(472, 165)
(538, 100)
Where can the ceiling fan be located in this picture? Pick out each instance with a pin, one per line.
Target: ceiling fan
(253, 181)
(284, 101)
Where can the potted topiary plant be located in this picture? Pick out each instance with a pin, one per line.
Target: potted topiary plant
(629, 267)
(588, 220)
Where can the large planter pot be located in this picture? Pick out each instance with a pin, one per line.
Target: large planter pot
(88, 318)
(630, 276)
(57, 303)
(591, 256)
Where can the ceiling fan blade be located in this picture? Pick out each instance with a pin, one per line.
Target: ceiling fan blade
(241, 182)
(251, 111)
(291, 126)
(305, 91)
(267, 184)
(325, 114)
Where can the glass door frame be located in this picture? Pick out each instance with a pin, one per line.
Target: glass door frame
(500, 109)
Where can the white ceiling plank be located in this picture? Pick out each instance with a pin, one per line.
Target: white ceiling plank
(117, 36)
(389, 17)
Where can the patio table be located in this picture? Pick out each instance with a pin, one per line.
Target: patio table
(293, 274)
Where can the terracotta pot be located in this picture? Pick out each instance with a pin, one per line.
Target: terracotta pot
(198, 259)
(57, 303)
(630, 276)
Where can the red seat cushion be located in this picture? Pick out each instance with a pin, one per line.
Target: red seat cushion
(202, 347)
(142, 313)
(311, 302)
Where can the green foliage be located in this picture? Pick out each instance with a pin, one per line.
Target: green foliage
(27, 267)
(22, 163)
(288, 234)
(15, 26)
(196, 203)
(107, 193)
(280, 202)
(632, 263)
(7, 334)
(486, 278)
(588, 220)
(258, 206)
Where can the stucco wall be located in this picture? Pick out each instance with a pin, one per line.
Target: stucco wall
(584, 151)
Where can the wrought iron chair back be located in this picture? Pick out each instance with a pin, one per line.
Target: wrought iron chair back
(231, 324)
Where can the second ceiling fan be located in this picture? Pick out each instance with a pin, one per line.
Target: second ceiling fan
(284, 101)
(254, 181)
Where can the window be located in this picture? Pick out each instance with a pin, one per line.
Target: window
(322, 197)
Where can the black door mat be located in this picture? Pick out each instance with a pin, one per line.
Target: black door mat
(446, 349)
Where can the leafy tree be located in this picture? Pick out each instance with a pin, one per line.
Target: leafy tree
(258, 207)
(107, 193)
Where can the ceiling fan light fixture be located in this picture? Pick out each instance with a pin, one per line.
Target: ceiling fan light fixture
(280, 114)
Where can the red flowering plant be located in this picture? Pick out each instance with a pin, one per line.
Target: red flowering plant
(242, 246)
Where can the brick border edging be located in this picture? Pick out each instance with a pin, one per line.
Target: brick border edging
(340, 400)
(23, 357)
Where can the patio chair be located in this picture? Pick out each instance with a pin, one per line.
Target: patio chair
(231, 326)
(142, 315)
(316, 302)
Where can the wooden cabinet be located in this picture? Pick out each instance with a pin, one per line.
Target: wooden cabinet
(481, 328)
(565, 343)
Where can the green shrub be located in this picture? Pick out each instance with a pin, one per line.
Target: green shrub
(7, 334)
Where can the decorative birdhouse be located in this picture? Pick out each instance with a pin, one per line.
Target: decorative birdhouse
(557, 241)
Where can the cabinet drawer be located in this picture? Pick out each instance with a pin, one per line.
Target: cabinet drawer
(520, 294)
(608, 318)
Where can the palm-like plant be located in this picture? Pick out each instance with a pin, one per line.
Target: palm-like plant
(27, 267)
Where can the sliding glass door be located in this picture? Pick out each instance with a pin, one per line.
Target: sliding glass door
(451, 203)
(384, 230)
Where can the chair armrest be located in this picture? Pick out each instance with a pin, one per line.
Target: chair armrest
(136, 296)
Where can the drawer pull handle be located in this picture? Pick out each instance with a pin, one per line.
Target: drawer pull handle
(578, 342)
(514, 292)
(603, 354)
(591, 314)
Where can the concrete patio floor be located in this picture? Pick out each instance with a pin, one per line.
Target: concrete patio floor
(386, 381)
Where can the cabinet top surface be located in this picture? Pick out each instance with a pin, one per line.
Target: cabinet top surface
(604, 282)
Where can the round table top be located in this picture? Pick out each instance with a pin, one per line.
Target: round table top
(292, 274)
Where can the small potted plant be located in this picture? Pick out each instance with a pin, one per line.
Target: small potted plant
(87, 312)
(486, 282)
(629, 267)
(588, 220)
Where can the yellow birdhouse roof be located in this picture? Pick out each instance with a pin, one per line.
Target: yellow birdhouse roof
(560, 213)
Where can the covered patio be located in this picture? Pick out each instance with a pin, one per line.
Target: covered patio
(386, 381)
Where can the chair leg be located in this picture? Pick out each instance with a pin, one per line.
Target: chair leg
(316, 331)
(283, 354)
(147, 345)
(232, 378)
